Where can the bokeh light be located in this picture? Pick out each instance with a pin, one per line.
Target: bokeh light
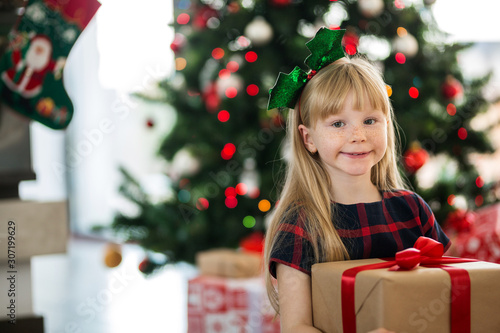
(252, 90)
(231, 92)
(241, 189)
(462, 133)
(243, 41)
(183, 18)
(402, 32)
(251, 56)
(479, 200)
(232, 66)
(184, 196)
(451, 109)
(202, 204)
(223, 116)
(479, 181)
(249, 221)
(417, 82)
(180, 64)
(264, 205)
(231, 202)
(451, 199)
(254, 193)
(230, 192)
(217, 53)
(228, 151)
(224, 74)
(399, 4)
(413, 92)
(400, 58)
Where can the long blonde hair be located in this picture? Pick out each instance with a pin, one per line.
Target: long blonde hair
(307, 186)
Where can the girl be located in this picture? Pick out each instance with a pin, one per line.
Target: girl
(342, 196)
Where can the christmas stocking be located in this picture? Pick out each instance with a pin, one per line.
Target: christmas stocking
(31, 68)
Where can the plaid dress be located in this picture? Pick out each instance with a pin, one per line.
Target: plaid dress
(368, 230)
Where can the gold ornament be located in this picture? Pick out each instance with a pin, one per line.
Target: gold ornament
(112, 255)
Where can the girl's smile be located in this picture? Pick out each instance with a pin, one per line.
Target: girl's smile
(356, 155)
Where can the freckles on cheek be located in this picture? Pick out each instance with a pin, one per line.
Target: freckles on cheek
(379, 136)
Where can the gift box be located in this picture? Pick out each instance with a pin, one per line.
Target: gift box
(221, 305)
(482, 239)
(358, 296)
(229, 263)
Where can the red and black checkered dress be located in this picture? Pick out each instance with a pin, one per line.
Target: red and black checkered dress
(368, 230)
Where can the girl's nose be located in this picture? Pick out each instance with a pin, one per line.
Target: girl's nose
(358, 134)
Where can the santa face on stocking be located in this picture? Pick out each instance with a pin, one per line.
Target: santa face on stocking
(31, 65)
(39, 54)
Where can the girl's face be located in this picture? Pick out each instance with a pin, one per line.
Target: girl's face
(349, 143)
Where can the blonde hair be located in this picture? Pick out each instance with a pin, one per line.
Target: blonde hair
(307, 186)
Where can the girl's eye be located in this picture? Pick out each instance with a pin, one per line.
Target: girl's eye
(370, 121)
(338, 124)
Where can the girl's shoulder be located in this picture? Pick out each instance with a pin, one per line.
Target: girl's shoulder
(399, 193)
(403, 197)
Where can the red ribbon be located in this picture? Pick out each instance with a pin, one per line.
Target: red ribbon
(426, 252)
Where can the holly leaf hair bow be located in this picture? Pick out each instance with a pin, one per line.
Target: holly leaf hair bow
(325, 47)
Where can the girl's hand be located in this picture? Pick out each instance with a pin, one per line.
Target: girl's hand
(381, 330)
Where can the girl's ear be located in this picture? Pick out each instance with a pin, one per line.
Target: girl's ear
(307, 139)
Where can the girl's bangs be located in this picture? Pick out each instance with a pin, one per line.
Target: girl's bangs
(330, 96)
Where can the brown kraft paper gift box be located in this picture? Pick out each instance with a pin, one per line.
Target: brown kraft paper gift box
(404, 301)
(229, 263)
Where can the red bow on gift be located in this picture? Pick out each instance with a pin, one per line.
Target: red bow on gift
(426, 252)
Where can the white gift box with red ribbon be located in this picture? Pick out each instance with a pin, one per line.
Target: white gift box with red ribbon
(225, 305)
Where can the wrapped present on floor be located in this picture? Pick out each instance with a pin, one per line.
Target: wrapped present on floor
(418, 291)
(224, 305)
(476, 236)
(229, 263)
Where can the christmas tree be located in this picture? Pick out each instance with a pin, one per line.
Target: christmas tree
(228, 55)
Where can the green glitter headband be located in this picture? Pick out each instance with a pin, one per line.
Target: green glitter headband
(325, 47)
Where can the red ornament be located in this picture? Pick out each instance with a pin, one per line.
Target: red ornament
(178, 43)
(145, 266)
(253, 242)
(233, 7)
(350, 42)
(452, 88)
(280, 3)
(459, 221)
(183, 18)
(462, 133)
(217, 53)
(232, 66)
(414, 158)
(202, 16)
(211, 98)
